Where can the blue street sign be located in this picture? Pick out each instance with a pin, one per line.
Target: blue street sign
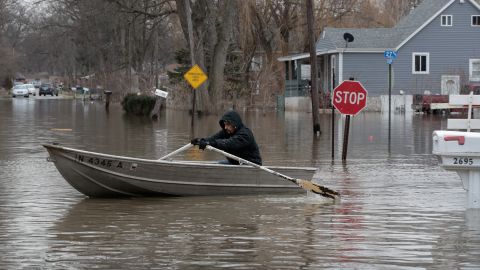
(390, 54)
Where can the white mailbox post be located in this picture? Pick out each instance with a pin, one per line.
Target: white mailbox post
(460, 151)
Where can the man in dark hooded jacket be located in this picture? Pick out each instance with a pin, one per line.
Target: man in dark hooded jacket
(233, 138)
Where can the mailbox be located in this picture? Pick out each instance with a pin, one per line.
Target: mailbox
(457, 149)
(460, 152)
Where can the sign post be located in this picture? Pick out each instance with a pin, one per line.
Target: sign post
(195, 77)
(390, 56)
(349, 97)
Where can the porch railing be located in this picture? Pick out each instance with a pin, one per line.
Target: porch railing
(297, 88)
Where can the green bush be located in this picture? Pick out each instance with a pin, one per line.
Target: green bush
(138, 104)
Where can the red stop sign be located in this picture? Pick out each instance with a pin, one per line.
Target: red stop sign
(350, 97)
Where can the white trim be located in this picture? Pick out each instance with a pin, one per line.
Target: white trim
(470, 70)
(327, 52)
(340, 67)
(471, 21)
(293, 57)
(427, 71)
(446, 18)
(307, 55)
(362, 50)
(473, 2)
(425, 24)
(477, 5)
(333, 71)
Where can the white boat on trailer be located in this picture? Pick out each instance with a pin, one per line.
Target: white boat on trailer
(103, 175)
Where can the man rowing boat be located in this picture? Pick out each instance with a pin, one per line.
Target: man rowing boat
(234, 138)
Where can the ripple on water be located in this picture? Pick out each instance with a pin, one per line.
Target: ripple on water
(398, 209)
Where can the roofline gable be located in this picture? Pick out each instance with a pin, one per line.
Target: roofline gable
(473, 2)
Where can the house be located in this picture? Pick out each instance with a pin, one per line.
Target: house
(437, 45)
(19, 79)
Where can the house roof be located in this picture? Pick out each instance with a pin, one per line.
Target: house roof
(419, 18)
(383, 38)
(380, 39)
(363, 38)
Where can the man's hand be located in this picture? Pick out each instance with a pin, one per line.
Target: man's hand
(195, 141)
(202, 144)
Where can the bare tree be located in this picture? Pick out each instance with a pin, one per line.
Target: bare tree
(120, 42)
(212, 24)
(12, 32)
(111, 42)
(394, 10)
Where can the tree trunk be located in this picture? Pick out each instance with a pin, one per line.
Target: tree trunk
(202, 98)
(220, 54)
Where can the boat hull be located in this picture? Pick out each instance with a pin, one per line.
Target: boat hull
(102, 175)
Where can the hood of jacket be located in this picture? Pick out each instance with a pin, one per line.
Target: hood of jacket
(232, 117)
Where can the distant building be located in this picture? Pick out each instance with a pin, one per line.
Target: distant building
(19, 78)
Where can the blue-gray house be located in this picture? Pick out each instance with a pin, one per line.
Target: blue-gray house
(437, 45)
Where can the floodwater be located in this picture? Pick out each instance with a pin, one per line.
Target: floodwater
(399, 209)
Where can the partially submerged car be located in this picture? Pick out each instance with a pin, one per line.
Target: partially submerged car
(20, 90)
(47, 89)
(31, 89)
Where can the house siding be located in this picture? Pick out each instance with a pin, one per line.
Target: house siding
(371, 69)
(450, 49)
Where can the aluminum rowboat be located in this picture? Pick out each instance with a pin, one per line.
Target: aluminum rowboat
(103, 175)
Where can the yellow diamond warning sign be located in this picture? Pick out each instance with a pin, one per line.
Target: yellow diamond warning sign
(195, 76)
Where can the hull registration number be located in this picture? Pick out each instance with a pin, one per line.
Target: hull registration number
(107, 163)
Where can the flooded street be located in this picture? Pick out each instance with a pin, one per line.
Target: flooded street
(399, 209)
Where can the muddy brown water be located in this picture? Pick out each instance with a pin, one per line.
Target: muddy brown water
(399, 209)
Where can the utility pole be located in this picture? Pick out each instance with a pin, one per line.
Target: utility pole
(313, 68)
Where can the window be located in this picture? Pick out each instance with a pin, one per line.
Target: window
(420, 63)
(475, 20)
(475, 70)
(446, 20)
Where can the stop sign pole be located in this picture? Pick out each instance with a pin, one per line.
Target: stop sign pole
(349, 98)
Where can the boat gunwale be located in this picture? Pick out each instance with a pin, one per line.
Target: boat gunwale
(171, 162)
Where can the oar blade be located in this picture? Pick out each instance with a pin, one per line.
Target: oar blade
(321, 190)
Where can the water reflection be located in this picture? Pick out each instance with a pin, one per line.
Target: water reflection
(194, 232)
(398, 210)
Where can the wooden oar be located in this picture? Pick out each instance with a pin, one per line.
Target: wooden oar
(305, 184)
(183, 148)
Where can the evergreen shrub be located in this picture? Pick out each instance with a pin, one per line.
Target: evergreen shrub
(138, 104)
